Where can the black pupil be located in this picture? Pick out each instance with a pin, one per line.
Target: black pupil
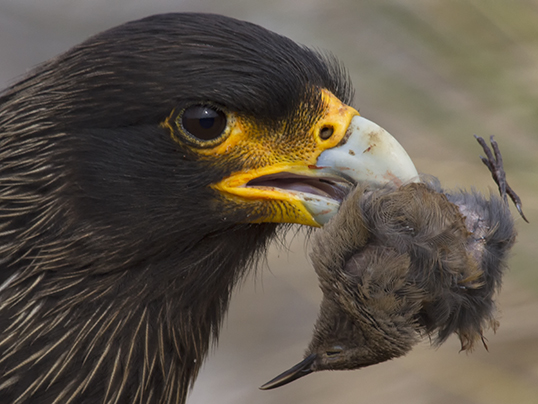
(203, 122)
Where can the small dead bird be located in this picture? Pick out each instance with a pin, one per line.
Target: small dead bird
(396, 265)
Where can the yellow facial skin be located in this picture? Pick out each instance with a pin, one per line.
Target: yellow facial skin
(262, 151)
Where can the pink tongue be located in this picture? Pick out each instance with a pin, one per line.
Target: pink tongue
(309, 186)
(314, 186)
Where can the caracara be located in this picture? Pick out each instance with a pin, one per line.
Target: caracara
(142, 173)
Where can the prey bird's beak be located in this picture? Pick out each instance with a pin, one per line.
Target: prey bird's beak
(367, 155)
(303, 368)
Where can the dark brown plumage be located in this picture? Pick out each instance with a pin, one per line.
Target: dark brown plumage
(118, 254)
(396, 265)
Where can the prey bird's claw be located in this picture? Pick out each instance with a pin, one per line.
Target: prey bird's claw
(494, 162)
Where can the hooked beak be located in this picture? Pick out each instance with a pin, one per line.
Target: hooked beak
(303, 368)
(367, 155)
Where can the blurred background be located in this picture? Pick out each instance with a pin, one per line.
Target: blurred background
(433, 73)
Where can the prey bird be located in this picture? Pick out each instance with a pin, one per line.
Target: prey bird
(398, 264)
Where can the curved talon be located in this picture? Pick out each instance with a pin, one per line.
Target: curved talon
(494, 162)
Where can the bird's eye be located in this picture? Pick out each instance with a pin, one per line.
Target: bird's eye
(203, 122)
(334, 351)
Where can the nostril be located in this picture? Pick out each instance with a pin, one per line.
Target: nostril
(326, 132)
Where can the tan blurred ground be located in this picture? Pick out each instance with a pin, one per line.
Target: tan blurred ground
(433, 73)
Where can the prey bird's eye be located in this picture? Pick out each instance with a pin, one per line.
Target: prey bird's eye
(203, 122)
(334, 351)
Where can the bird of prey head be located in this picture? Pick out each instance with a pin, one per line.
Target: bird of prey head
(141, 173)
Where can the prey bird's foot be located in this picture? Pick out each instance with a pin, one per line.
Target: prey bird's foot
(494, 162)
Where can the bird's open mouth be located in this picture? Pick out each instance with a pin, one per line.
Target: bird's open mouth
(319, 191)
(335, 188)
